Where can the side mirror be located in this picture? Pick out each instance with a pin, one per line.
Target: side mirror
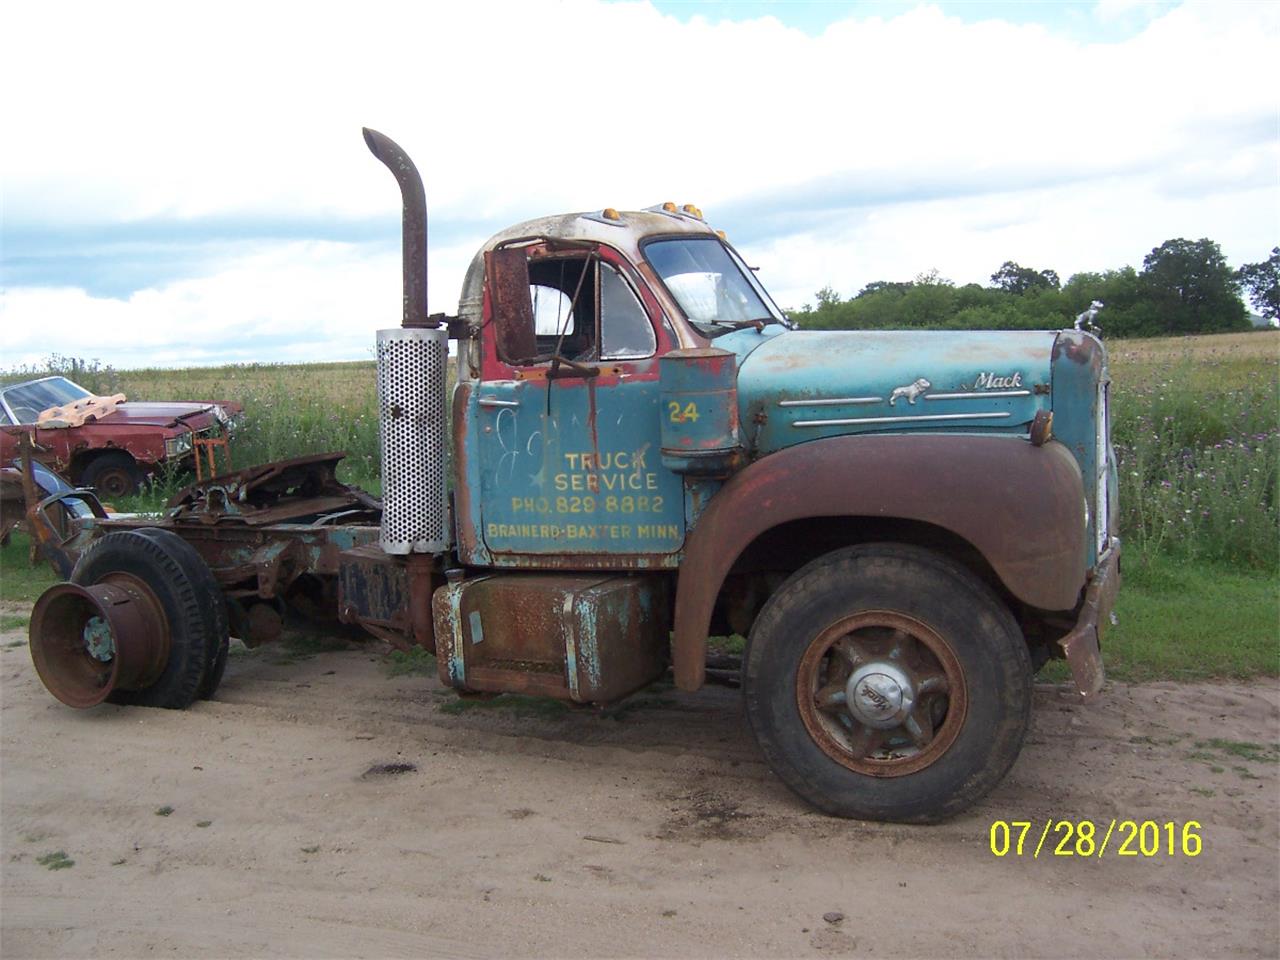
(507, 274)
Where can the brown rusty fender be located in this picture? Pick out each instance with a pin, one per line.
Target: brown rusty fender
(1020, 506)
(1082, 646)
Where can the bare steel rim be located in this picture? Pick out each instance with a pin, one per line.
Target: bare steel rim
(881, 693)
(115, 482)
(88, 641)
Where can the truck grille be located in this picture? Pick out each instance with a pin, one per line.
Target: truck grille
(412, 365)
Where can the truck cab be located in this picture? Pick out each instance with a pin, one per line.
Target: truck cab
(639, 431)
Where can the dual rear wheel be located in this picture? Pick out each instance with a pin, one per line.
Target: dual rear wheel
(141, 622)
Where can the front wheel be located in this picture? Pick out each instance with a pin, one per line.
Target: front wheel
(885, 682)
(112, 474)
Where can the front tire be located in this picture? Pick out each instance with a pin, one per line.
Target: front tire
(112, 474)
(885, 682)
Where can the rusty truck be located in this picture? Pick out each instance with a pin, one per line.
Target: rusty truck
(641, 452)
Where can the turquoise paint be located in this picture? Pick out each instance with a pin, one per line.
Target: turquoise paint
(466, 473)
(457, 664)
(699, 411)
(586, 640)
(890, 382)
(586, 478)
(698, 494)
(98, 640)
(1079, 367)
(570, 637)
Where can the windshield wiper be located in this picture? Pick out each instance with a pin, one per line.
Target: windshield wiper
(728, 325)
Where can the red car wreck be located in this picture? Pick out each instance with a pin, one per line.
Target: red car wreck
(105, 442)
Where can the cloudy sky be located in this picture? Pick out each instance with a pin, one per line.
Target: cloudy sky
(186, 183)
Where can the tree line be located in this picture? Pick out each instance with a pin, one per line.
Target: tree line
(1184, 287)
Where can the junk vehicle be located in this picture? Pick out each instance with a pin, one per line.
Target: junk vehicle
(110, 443)
(641, 452)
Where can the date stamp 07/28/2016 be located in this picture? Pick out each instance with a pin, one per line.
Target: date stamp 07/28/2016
(1085, 838)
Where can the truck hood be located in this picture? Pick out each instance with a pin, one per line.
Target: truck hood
(802, 385)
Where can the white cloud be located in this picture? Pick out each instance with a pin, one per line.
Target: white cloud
(288, 302)
(245, 110)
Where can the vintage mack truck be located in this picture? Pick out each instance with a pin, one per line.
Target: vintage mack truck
(641, 452)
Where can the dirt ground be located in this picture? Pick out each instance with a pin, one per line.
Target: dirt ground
(270, 823)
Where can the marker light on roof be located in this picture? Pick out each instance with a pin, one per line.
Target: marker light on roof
(611, 214)
(692, 211)
(669, 207)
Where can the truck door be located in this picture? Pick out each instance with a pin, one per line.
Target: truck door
(566, 412)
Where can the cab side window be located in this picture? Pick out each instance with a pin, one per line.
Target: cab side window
(563, 295)
(626, 333)
(579, 308)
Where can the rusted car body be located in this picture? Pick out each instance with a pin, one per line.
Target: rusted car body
(642, 451)
(112, 452)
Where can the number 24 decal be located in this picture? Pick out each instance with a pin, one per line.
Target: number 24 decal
(686, 414)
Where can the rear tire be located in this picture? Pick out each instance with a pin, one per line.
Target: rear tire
(212, 604)
(885, 682)
(143, 562)
(112, 474)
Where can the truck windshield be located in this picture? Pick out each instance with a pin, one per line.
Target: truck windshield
(714, 288)
(26, 401)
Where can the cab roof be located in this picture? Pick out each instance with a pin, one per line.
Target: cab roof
(625, 234)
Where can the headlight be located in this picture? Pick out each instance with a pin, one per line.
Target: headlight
(175, 447)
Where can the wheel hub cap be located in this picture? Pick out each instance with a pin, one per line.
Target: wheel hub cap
(880, 695)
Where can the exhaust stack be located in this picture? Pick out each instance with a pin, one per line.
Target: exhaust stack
(413, 362)
(413, 225)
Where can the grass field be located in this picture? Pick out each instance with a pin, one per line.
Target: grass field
(1197, 435)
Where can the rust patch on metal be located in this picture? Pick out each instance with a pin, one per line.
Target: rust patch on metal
(413, 229)
(1082, 645)
(1018, 505)
(123, 608)
(935, 670)
(272, 493)
(1079, 347)
(507, 275)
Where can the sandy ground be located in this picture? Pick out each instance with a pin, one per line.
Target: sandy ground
(652, 831)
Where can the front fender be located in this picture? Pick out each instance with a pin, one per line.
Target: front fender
(1021, 506)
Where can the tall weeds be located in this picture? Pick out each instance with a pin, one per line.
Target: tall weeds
(1197, 442)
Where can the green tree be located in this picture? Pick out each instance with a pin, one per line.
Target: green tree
(827, 298)
(1129, 310)
(1016, 279)
(877, 286)
(1191, 288)
(1262, 280)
